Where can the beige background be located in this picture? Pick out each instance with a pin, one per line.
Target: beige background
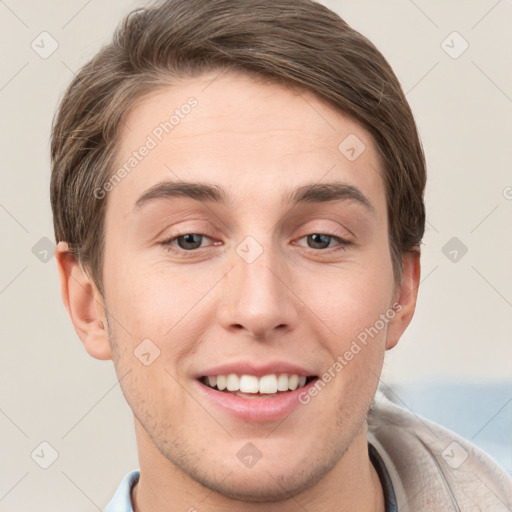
(52, 391)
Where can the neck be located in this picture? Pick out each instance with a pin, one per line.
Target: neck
(352, 484)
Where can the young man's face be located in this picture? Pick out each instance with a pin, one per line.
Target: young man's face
(260, 286)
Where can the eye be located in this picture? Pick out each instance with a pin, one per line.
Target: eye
(185, 242)
(190, 242)
(323, 240)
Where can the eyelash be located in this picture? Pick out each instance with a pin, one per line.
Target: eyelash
(168, 243)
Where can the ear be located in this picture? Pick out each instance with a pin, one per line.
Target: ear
(84, 303)
(405, 297)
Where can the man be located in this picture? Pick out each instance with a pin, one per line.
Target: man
(237, 191)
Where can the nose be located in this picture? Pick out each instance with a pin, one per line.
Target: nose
(257, 299)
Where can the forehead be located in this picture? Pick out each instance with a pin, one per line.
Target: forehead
(248, 136)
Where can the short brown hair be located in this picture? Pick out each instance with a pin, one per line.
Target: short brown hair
(294, 42)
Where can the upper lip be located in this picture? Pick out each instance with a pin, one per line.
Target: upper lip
(256, 369)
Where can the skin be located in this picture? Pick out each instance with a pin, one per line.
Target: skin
(296, 302)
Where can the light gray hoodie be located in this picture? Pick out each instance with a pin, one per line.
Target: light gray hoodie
(433, 469)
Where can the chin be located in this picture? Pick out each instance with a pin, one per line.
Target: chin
(260, 486)
(270, 479)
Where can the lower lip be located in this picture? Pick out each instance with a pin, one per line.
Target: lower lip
(256, 409)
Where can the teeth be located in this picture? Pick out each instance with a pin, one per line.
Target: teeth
(249, 384)
(221, 382)
(282, 382)
(268, 384)
(233, 382)
(293, 382)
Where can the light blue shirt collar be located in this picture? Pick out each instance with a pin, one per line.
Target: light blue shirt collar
(121, 501)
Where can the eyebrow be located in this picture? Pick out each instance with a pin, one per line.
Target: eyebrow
(311, 193)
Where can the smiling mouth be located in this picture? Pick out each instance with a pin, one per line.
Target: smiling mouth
(250, 386)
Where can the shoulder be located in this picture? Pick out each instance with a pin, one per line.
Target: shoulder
(430, 466)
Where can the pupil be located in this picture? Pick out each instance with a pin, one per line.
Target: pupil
(320, 239)
(191, 241)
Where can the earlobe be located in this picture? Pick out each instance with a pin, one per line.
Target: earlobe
(406, 296)
(83, 303)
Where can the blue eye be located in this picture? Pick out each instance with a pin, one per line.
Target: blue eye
(322, 241)
(186, 242)
(190, 242)
(319, 239)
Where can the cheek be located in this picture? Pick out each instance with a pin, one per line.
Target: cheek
(142, 297)
(169, 306)
(348, 302)
(351, 308)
